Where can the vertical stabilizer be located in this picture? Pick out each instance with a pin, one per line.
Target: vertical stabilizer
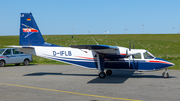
(30, 34)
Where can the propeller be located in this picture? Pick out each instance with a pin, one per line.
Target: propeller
(129, 51)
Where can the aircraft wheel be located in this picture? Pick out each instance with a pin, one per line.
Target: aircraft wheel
(165, 75)
(109, 72)
(102, 75)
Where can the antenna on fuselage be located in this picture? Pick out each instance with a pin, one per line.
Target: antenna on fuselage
(95, 41)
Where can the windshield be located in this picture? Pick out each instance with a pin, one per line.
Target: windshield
(1, 51)
(148, 55)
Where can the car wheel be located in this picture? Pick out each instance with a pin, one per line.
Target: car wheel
(2, 63)
(26, 62)
(17, 64)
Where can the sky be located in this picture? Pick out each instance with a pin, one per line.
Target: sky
(62, 17)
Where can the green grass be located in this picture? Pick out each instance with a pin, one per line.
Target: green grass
(166, 46)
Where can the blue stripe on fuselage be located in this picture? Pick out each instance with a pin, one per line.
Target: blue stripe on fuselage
(80, 63)
(120, 64)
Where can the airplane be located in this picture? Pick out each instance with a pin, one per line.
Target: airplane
(104, 58)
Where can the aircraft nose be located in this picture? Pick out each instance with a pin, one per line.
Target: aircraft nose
(169, 63)
(165, 62)
(172, 64)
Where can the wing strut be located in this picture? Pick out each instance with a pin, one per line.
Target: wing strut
(100, 64)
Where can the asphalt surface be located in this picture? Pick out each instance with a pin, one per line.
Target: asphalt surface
(72, 83)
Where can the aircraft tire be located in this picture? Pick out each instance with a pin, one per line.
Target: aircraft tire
(102, 75)
(165, 75)
(109, 72)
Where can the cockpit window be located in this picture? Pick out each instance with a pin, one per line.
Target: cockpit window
(148, 56)
(137, 56)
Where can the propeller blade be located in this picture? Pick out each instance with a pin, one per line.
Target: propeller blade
(129, 62)
(126, 52)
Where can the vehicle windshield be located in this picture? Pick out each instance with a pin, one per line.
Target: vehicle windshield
(147, 55)
(1, 51)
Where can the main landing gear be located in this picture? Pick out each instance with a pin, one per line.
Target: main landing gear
(165, 74)
(103, 75)
(109, 72)
(100, 65)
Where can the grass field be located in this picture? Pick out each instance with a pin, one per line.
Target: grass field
(166, 46)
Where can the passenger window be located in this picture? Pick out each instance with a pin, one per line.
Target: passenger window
(17, 52)
(7, 52)
(137, 56)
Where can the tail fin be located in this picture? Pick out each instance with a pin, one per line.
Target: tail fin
(30, 33)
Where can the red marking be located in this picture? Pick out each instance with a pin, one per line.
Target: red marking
(29, 30)
(2, 57)
(29, 19)
(84, 57)
(123, 54)
(156, 61)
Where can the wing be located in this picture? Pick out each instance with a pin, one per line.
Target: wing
(110, 51)
(93, 47)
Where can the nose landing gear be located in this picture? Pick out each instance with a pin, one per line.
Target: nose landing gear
(165, 74)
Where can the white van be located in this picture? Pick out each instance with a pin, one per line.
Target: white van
(11, 56)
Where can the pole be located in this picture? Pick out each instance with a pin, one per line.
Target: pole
(142, 29)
